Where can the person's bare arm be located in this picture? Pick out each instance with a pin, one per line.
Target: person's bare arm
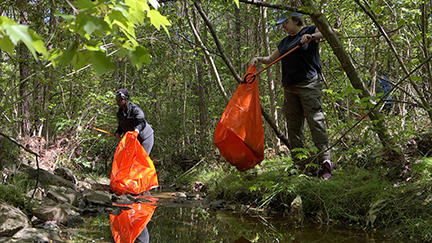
(265, 60)
(317, 35)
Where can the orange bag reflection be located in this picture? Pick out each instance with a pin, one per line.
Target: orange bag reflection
(132, 169)
(126, 226)
(239, 134)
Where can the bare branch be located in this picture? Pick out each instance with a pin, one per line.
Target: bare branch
(19, 144)
(268, 118)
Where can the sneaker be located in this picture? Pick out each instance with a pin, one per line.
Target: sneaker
(326, 170)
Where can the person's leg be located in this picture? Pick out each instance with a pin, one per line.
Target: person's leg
(310, 92)
(148, 144)
(143, 237)
(293, 112)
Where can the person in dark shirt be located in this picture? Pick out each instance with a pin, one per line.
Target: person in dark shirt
(302, 84)
(131, 118)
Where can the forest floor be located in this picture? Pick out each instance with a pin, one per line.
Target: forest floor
(385, 193)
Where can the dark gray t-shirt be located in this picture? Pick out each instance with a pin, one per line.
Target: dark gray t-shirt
(302, 63)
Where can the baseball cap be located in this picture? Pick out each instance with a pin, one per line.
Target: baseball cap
(284, 15)
(123, 93)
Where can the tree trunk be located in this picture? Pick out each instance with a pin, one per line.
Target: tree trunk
(37, 107)
(201, 96)
(425, 41)
(237, 33)
(46, 99)
(270, 81)
(349, 68)
(23, 57)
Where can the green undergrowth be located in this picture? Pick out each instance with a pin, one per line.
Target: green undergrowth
(352, 197)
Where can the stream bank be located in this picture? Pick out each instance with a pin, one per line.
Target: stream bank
(361, 199)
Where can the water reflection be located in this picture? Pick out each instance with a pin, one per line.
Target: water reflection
(190, 221)
(130, 225)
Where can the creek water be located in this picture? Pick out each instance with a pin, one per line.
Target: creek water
(174, 220)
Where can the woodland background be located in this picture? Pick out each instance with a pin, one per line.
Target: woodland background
(61, 61)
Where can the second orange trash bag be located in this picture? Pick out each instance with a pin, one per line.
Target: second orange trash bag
(132, 170)
(239, 134)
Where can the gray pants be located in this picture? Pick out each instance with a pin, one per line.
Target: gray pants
(143, 237)
(303, 101)
(148, 143)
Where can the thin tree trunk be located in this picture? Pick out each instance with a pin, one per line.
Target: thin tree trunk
(209, 59)
(237, 77)
(46, 99)
(23, 66)
(270, 80)
(237, 32)
(23, 91)
(425, 40)
(37, 106)
(347, 64)
(201, 97)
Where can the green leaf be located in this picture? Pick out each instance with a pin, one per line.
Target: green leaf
(54, 56)
(38, 44)
(137, 10)
(81, 59)
(100, 62)
(122, 52)
(17, 32)
(117, 18)
(140, 55)
(90, 24)
(6, 44)
(130, 45)
(158, 20)
(84, 4)
(67, 56)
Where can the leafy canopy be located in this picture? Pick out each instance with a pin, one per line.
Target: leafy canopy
(94, 27)
(11, 33)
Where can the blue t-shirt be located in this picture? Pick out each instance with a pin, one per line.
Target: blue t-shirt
(302, 63)
(384, 88)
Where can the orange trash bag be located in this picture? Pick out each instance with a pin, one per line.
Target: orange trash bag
(132, 170)
(129, 224)
(239, 134)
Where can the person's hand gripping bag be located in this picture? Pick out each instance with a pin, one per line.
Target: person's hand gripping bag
(132, 170)
(239, 134)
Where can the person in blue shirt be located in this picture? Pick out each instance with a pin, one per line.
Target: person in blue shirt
(302, 84)
(384, 89)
